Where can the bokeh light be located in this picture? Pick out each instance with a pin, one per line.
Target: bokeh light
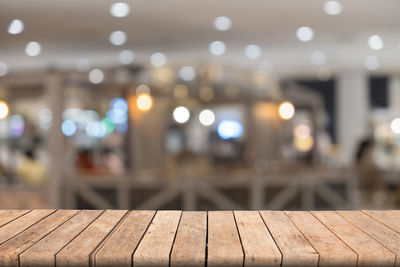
(126, 57)
(144, 102)
(252, 51)
(181, 114)
(395, 126)
(96, 76)
(305, 34)
(333, 8)
(120, 9)
(68, 127)
(222, 23)
(16, 27)
(118, 38)
(187, 73)
(3, 110)
(158, 59)
(228, 129)
(17, 125)
(33, 49)
(375, 42)
(217, 48)
(206, 117)
(286, 110)
(304, 144)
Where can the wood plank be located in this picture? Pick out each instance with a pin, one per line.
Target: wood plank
(10, 250)
(387, 217)
(381, 233)
(295, 249)
(224, 247)
(155, 247)
(7, 216)
(258, 245)
(78, 252)
(370, 252)
(17, 226)
(190, 243)
(119, 248)
(323, 240)
(42, 253)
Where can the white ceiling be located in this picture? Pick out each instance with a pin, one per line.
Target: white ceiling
(182, 29)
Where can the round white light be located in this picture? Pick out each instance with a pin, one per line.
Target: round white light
(305, 34)
(33, 49)
(126, 57)
(3, 69)
(158, 59)
(286, 110)
(181, 114)
(318, 58)
(371, 63)
(333, 8)
(252, 51)
(217, 48)
(395, 126)
(228, 129)
(206, 117)
(16, 27)
(96, 76)
(120, 9)
(118, 38)
(375, 42)
(83, 65)
(187, 73)
(222, 23)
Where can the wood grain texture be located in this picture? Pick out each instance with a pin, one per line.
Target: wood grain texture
(323, 240)
(370, 252)
(78, 252)
(189, 248)
(389, 218)
(17, 226)
(258, 245)
(381, 233)
(42, 253)
(156, 245)
(119, 248)
(7, 216)
(224, 247)
(10, 250)
(295, 249)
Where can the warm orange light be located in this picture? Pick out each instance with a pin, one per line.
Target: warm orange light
(3, 110)
(304, 144)
(144, 102)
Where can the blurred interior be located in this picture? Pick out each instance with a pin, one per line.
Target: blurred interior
(200, 105)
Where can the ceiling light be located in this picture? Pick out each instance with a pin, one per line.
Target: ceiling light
(371, 63)
(217, 48)
(318, 58)
(126, 57)
(16, 27)
(252, 51)
(33, 49)
(158, 59)
(118, 38)
(96, 76)
(375, 42)
(305, 34)
(222, 23)
(187, 73)
(333, 8)
(120, 9)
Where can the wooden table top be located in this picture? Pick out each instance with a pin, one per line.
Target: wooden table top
(220, 238)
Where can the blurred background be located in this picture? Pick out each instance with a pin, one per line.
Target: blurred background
(200, 105)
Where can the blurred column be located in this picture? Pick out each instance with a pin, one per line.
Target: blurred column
(55, 144)
(394, 93)
(352, 102)
(147, 136)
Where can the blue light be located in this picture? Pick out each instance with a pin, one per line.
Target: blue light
(68, 128)
(228, 129)
(119, 103)
(121, 128)
(117, 116)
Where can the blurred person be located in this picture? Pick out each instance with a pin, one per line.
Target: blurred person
(30, 169)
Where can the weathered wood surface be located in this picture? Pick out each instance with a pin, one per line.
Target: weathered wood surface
(215, 238)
